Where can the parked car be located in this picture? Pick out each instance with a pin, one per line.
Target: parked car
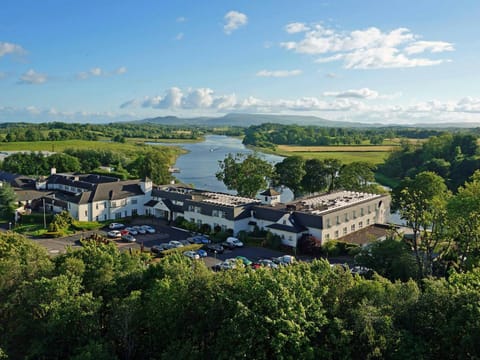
(184, 242)
(131, 230)
(175, 243)
(115, 226)
(148, 229)
(226, 265)
(227, 245)
(114, 234)
(264, 263)
(234, 241)
(129, 238)
(199, 239)
(192, 255)
(214, 247)
(284, 260)
(157, 249)
(244, 260)
(140, 230)
(202, 253)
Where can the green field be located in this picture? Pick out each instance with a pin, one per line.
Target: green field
(373, 157)
(127, 147)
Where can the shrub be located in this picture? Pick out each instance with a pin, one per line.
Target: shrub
(181, 250)
(86, 225)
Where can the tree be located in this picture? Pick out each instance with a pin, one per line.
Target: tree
(290, 172)
(332, 167)
(422, 204)
(390, 258)
(64, 162)
(356, 176)
(152, 164)
(463, 212)
(315, 176)
(247, 174)
(8, 200)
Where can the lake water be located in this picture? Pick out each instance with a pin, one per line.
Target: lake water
(199, 165)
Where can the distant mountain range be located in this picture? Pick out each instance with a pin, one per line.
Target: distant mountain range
(245, 120)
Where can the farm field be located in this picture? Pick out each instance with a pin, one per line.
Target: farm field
(337, 148)
(346, 157)
(53, 146)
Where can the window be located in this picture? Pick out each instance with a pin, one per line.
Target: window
(199, 222)
(327, 236)
(266, 198)
(86, 212)
(96, 206)
(368, 221)
(96, 218)
(368, 209)
(354, 214)
(113, 204)
(361, 212)
(345, 231)
(191, 208)
(338, 219)
(134, 212)
(192, 220)
(284, 222)
(360, 224)
(134, 201)
(126, 214)
(224, 227)
(353, 227)
(328, 223)
(346, 217)
(118, 216)
(335, 234)
(198, 209)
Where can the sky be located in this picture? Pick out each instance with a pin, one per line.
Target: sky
(371, 61)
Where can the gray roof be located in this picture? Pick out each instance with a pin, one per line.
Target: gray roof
(17, 180)
(269, 213)
(270, 192)
(293, 229)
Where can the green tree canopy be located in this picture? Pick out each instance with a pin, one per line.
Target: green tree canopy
(247, 174)
(290, 172)
(8, 200)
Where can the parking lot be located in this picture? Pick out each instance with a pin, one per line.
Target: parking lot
(163, 234)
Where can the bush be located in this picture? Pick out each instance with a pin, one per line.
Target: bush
(53, 234)
(339, 248)
(86, 225)
(181, 250)
(36, 218)
(273, 241)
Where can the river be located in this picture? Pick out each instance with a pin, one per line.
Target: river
(199, 165)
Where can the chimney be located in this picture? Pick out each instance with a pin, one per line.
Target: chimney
(53, 171)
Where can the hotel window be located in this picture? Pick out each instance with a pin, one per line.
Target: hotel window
(284, 222)
(86, 213)
(327, 236)
(344, 231)
(96, 206)
(134, 212)
(192, 220)
(360, 224)
(118, 216)
(198, 209)
(346, 217)
(134, 201)
(354, 215)
(353, 227)
(191, 208)
(224, 227)
(328, 223)
(361, 212)
(368, 221)
(368, 209)
(338, 219)
(199, 222)
(114, 204)
(336, 234)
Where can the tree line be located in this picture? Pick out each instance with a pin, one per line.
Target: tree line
(99, 303)
(454, 157)
(269, 135)
(152, 162)
(248, 174)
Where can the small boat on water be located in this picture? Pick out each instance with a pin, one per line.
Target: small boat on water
(173, 170)
(213, 149)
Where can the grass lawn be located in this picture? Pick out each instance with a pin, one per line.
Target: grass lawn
(337, 148)
(128, 147)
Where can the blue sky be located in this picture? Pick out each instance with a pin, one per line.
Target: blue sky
(392, 62)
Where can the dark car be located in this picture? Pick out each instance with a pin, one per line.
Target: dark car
(227, 245)
(214, 247)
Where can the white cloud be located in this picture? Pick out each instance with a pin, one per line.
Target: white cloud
(278, 73)
(9, 48)
(364, 93)
(99, 72)
(432, 46)
(296, 27)
(32, 77)
(181, 19)
(179, 36)
(366, 49)
(234, 20)
(121, 70)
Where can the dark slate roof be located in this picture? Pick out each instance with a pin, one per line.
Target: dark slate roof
(270, 192)
(171, 206)
(29, 195)
(309, 220)
(246, 213)
(151, 203)
(17, 180)
(268, 213)
(172, 195)
(293, 229)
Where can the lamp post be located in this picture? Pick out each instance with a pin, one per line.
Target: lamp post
(44, 216)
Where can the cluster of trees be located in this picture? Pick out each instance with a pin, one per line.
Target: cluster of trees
(247, 174)
(56, 131)
(152, 162)
(98, 303)
(452, 156)
(446, 226)
(269, 135)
